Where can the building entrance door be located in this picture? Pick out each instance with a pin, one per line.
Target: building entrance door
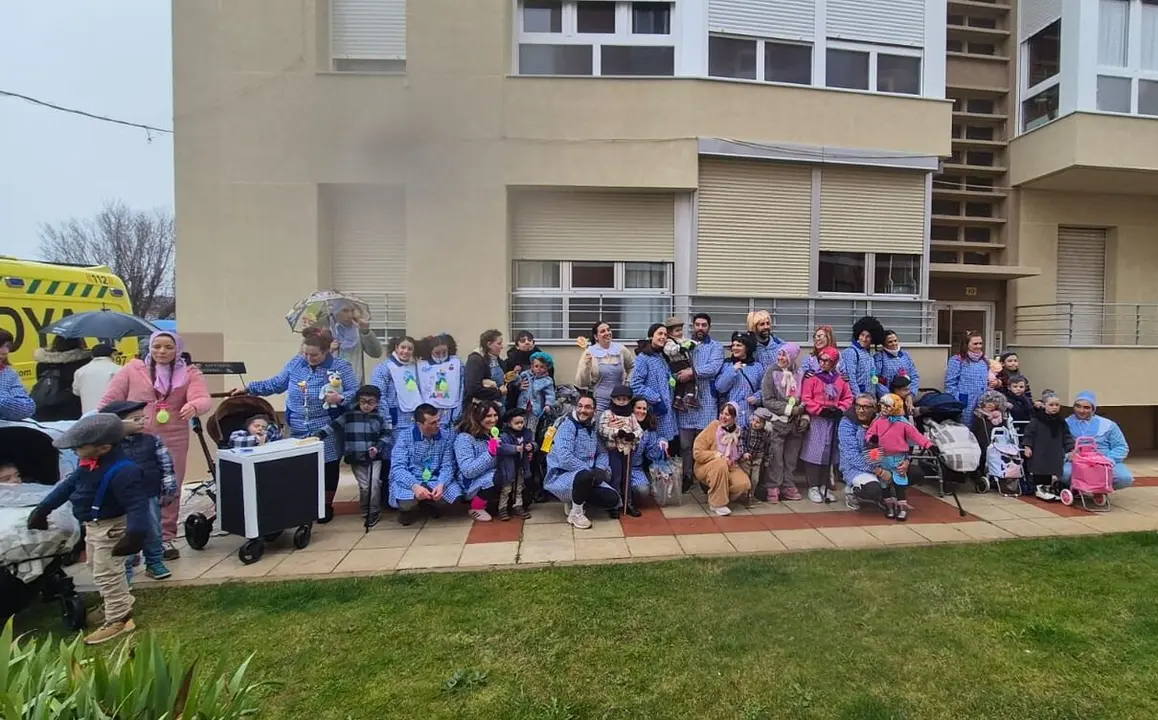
(956, 319)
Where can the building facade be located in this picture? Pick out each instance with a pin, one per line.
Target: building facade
(539, 164)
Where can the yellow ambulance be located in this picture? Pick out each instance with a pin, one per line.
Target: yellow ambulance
(33, 295)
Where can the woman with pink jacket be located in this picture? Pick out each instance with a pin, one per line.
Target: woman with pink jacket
(174, 392)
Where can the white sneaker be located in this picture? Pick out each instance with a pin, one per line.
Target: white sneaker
(480, 515)
(814, 495)
(578, 517)
(851, 501)
(1045, 493)
(722, 511)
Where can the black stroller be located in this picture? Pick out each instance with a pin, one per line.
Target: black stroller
(956, 461)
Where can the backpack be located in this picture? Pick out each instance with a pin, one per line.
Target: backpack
(47, 393)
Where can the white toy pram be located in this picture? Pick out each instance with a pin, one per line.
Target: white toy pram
(1003, 464)
(32, 562)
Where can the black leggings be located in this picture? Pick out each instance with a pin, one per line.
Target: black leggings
(587, 489)
(332, 470)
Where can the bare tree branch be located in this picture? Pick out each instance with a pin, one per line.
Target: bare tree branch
(137, 245)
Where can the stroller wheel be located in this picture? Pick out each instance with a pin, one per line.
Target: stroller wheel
(251, 552)
(302, 536)
(981, 485)
(1067, 497)
(1101, 499)
(74, 611)
(197, 530)
(273, 536)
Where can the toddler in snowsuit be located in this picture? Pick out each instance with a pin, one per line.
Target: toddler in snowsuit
(516, 448)
(678, 354)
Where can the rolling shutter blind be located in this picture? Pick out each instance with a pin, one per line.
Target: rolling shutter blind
(369, 258)
(755, 228)
(1081, 280)
(368, 29)
(578, 225)
(1035, 15)
(892, 22)
(865, 210)
(790, 19)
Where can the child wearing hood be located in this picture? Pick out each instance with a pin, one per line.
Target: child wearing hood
(621, 434)
(537, 388)
(892, 436)
(786, 425)
(516, 448)
(1045, 445)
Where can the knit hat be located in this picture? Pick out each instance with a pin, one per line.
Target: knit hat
(1087, 396)
(898, 382)
(621, 391)
(829, 353)
(651, 330)
(121, 408)
(673, 322)
(97, 429)
(763, 413)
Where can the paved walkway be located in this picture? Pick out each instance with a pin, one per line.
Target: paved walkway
(342, 548)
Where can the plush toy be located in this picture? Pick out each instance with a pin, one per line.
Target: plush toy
(333, 384)
(493, 442)
(995, 368)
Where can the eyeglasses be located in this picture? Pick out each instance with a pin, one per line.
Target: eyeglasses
(865, 407)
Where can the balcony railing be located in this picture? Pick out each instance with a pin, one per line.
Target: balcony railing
(1087, 324)
(387, 313)
(560, 318)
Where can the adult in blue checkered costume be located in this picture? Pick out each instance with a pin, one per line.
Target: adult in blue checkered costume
(578, 469)
(967, 374)
(441, 377)
(308, 380)
(422, 466)
(15, 404)
(707, 359)
(397, 378)
(822, 337)
(476, 456)
(860, 367)
(767, 344)
(651, 380)
(650, 447)
(740, 378)
(893, 362)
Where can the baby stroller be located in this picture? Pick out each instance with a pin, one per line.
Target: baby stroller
(32, 562)
(1003, 463)
(1091, 478)
(959, 455)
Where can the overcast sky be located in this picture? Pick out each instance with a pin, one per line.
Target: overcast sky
(107, 57)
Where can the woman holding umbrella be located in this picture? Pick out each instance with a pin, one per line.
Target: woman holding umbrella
(303, 380)
(353, 339)
(173, 392)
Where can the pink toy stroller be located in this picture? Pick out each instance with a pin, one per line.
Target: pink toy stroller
(1092, 477)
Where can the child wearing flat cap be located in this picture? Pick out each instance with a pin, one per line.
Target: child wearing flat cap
(108, 495)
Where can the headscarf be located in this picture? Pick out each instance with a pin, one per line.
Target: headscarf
(167, 378)
(728, 442)
(787, 378)
(348, 336)
(828, 377)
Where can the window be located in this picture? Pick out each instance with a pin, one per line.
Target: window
(847, 69)
(1040, 109)
(367, 37)
(595, 37)
(841, 272)
(1114, 93)
(731, 58)
(1043, 54)
(560, 300)
(1113, 34)
(795, 319)
(899, 74)
(1147, 97)
(787, 63)
(1149, 16)
(891, 274)
(897, 274)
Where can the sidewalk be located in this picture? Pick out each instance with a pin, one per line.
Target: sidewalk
(341, 548)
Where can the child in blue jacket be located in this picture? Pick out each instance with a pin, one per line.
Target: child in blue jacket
(516, 448)
(108, 495)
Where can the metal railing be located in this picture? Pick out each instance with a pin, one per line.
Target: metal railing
(560, 318)
(387, 313)
(1087, 324)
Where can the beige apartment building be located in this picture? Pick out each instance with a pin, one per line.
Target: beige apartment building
(538, 164)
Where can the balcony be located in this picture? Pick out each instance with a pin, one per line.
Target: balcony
(1088, 152)
(1071, 347)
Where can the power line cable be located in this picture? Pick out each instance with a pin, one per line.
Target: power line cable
(82, 113)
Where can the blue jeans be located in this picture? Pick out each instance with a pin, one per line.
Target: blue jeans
(1123, 477)
(152, 550)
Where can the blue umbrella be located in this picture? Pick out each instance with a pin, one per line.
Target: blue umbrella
(103, 324)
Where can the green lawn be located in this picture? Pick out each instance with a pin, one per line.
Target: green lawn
(1060, 628)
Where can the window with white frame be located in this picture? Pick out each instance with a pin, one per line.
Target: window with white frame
(856, 273)
(855, 66)
(1041, 77)
(795, 319)
(590, 37)
(1127, 65)
(764, 60)
(559, 300)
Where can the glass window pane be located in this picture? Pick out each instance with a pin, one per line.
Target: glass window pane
(593, 275)
(907, 319)
(731, 58)
(1040, 109)
(899, 74)
(596, 17)
(530, 274)
(543, 316)
(841, 272)
(555, 60)
(847, 69)
(1148, 94)
(651, 276)
(840, 314)
(1149, 35)
(543, 16)
(897, 274)
(1113, 94)
(788, 63)
(1113, 32)
(629, 60)
(651, 18)
(1044, 51)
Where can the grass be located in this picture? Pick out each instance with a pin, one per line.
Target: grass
(1050, 629)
